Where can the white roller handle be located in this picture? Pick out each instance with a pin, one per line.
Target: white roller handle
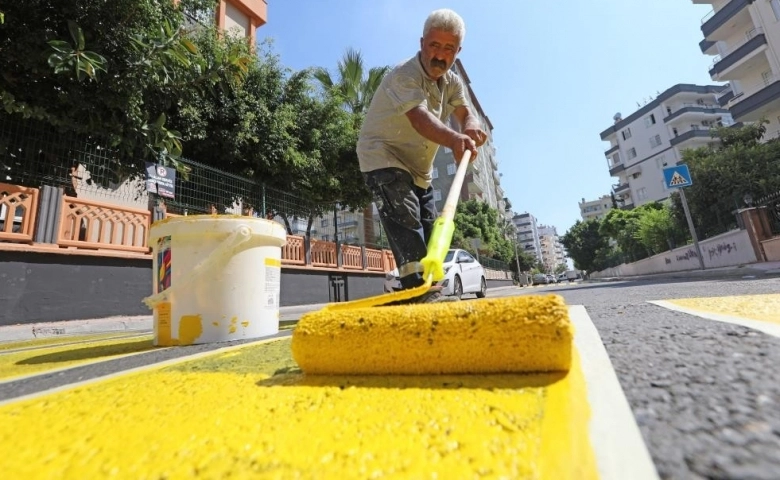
(451, 204)
(220, 254)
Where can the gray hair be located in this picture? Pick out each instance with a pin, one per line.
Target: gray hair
(446, 20)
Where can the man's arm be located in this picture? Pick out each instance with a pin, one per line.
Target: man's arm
(469, 124)
(430, 127)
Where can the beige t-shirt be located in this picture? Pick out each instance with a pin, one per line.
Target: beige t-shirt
(387, 138)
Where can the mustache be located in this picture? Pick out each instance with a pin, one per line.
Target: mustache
(438, 63)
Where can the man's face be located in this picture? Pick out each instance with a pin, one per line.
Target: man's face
(438, 50)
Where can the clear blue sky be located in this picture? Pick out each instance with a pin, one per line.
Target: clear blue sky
(549, 75)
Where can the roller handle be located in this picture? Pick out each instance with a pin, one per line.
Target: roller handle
(444, 226)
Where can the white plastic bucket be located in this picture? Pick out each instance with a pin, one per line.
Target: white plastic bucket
(215, 278)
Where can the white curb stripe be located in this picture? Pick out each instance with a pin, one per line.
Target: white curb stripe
(766, 327)
(620, 450)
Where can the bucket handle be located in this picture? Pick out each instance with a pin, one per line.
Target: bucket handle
(239, 236)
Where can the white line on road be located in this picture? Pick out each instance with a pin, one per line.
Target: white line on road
(766, 327)
(620, 450)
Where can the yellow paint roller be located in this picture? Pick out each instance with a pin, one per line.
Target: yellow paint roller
(520, 334)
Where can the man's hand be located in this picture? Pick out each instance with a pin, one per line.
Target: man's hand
(460, 144)
(475, 133)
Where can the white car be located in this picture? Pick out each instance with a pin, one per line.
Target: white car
(462, 274)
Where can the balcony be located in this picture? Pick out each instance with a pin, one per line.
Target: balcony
(693, 133)
(725, 95)
(756, 100)
(706, 46)
(737, 57)
(734, 13)
(688, 110)
(620, 188)
(612, 150)
(616, 168)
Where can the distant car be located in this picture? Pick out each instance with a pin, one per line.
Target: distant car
(540, 279)
(462, 274)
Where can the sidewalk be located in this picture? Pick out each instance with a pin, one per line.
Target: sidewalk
(752, 270)
(141, 323)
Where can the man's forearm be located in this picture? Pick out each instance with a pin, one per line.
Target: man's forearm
(431, 127)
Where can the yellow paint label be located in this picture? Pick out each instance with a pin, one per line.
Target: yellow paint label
(273, 277)
(162, 325)
(190, 329)
(273, 262)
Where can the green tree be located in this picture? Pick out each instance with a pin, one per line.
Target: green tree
(622, 226)
(352, 84)
(723, 174)
(657, 229)
(586, 245)
(114, 72)
(475, 219)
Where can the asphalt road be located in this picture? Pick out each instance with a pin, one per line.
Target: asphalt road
(705, 394)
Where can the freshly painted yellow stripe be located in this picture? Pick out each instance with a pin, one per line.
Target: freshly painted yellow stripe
(755, 307)
(36, 361)
(249, 413)
(64, 340)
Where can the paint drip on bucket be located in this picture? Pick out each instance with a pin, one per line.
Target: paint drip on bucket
(222, 283)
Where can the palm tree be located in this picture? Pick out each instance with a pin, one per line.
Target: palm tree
(355, 90)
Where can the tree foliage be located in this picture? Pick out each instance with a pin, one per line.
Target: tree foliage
(586, 246)
(723, 174)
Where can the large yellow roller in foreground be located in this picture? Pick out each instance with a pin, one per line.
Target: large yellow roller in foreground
(503, 335)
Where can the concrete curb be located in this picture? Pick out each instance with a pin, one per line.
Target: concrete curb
(745, 271)
(287, 315)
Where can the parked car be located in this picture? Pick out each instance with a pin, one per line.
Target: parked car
(463, 274)
(540, 279)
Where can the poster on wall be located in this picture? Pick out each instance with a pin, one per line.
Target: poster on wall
(160, 180)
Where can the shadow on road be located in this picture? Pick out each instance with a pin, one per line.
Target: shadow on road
(89, 353)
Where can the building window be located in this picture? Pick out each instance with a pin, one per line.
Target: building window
(650, 120)
(662, 163)
(631, 153)
(641, 194)
(435, 173)
(451, 169)
(626, 134)
(655, 141)
(775, 8)
(616, 158)
(437, 195)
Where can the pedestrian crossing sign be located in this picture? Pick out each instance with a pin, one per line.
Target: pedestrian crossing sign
(677, 176)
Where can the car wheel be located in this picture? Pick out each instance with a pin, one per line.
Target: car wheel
(482, 288)
(457, 287)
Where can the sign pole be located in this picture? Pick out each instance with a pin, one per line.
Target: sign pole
(690, 226)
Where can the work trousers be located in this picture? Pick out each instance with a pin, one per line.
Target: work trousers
(407, 213)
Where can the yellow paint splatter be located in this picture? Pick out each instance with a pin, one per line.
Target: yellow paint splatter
(245, 324)
(216, 324)
(190, 329)
(755, 307)
(233, 325)
(445, 426)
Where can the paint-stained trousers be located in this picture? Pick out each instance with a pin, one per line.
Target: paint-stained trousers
(407, 213)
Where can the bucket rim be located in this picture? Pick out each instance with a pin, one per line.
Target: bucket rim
(219, 224)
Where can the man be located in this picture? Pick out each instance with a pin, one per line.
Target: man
(404, 127)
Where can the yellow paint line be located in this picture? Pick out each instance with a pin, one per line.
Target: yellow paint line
(249, 412)
(63, 340)
(765, 308)
(768, 327)
(28, 362)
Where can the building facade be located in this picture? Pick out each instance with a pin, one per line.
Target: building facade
(551, 248)
(236, 17)
(595, 209)
(654, 137)
(528, 234)
(482, 181)
(743, 37)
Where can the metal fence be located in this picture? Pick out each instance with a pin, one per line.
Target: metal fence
(34, 154)
(772, 204)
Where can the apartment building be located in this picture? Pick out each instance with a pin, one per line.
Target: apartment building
(551, 248)
(482, 181)
(594, 209)
(744, 38)
(654, 137)
(238, 17)
(528, 234)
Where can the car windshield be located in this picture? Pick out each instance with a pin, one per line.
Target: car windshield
(449, 256)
